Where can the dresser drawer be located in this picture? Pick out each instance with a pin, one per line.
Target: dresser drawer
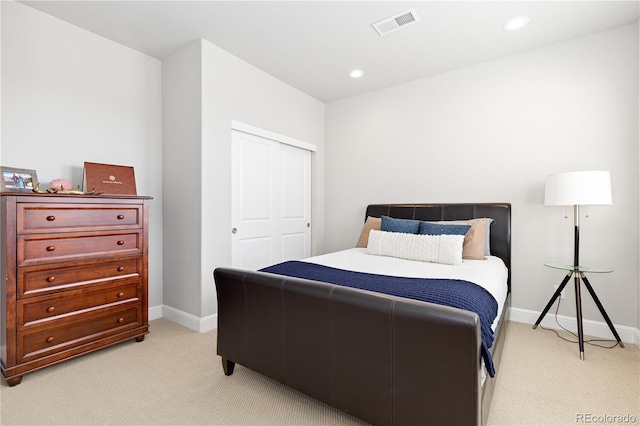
(39, 218)
(38, 342)
(45, 279)
(39, 310)
(51, 248)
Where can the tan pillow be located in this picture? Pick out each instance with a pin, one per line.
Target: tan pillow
(371, 223)
(474, 242)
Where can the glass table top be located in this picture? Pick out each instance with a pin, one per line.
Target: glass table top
(579, 268)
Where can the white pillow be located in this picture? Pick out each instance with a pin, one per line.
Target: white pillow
(445, 249)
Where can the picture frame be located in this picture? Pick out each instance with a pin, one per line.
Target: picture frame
(18, 180)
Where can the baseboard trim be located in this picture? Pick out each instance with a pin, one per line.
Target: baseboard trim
(591, 328)
(192, 322)
(598, 329)
(155, 312)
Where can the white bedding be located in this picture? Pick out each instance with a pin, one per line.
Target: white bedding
(490, 274)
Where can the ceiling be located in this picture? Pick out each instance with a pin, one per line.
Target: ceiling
(312, 45)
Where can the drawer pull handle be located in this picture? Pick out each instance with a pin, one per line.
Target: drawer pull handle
(51, 308)
(51, 279)
(120, 216)
(49, 339)
(120, 242)
(120, 294)
(120, 268)
(51, 218)
(120, 320)
(51, 248)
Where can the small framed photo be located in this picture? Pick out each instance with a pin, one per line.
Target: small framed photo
(18, 180)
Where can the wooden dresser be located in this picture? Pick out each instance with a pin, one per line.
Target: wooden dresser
(75, 271)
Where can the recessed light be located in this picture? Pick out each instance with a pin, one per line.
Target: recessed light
(356, 73)
(516, 23)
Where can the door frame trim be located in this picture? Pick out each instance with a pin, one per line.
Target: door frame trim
(256, 131)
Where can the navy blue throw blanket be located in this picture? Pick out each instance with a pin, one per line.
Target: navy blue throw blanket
(448, 292)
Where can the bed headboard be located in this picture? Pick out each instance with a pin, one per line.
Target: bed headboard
(499, 212)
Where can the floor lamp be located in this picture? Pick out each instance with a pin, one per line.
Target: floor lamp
(578, 189)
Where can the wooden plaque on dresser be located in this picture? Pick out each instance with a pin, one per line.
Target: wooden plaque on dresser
(75, 271)
(109, 179)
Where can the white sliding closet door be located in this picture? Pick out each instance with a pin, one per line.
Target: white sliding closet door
(271, 201)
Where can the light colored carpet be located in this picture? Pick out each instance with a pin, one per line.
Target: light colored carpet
(174, 377)
(543, 381)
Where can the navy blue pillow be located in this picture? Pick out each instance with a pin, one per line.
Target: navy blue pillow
(407, 226)
(430, 228)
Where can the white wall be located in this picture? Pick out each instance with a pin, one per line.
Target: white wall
(234, 90)
(492, 132)
(230, 90)
(70, 96)
(182, 183)
(1, 83)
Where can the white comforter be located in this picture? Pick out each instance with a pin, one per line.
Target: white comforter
(490, 274)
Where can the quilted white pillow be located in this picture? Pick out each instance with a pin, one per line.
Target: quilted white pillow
(445, 249)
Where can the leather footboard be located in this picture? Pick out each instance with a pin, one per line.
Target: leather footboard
(496, 353)
(385, 360)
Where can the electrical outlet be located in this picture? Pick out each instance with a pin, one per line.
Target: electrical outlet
(555, 288)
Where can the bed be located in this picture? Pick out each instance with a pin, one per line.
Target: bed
(383, 358)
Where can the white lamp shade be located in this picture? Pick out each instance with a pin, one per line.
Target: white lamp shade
(578, 188)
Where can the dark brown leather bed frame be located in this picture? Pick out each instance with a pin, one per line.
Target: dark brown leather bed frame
(383, 359)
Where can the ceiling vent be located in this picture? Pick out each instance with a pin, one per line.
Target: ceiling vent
(396, 22)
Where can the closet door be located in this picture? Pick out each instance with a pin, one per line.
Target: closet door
(271, 201)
